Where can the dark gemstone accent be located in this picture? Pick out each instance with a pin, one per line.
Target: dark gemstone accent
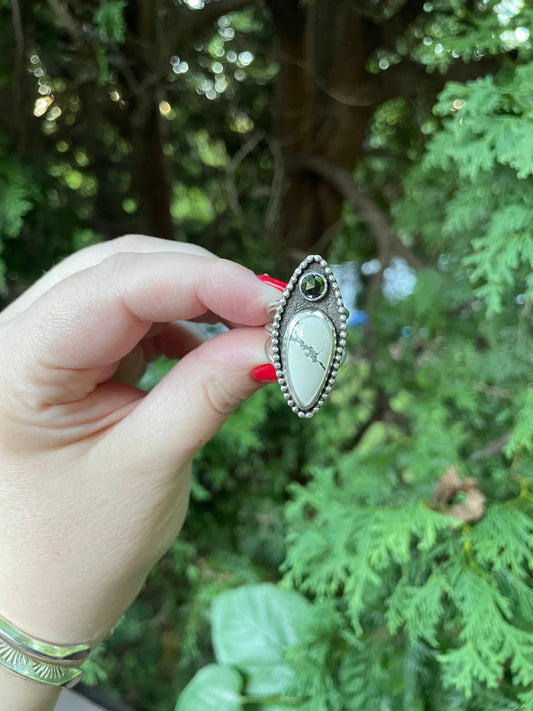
(313, 286)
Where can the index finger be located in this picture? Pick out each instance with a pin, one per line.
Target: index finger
(90, 256)
(96, 316)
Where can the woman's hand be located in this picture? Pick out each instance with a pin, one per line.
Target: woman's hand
(94, 473)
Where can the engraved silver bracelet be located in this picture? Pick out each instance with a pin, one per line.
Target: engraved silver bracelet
(38, 660)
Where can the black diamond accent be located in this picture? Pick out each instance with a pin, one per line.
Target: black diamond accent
(313, 286)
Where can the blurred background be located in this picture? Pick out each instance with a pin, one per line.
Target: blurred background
(394, 138)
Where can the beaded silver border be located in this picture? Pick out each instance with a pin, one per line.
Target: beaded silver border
(340, 331)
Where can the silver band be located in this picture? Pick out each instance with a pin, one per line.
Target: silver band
(38, 660)
(52, 674)
(42, 651)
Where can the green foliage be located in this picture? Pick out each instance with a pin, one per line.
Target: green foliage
(521, 438)
(111, 30)
(214, 687)
(413, 608)
(16, 193)
(480, 171)
(253, 628)
(15, 198)
(109, 20)
(430, 580)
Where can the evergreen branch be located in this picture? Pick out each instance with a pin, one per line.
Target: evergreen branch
(407, 79)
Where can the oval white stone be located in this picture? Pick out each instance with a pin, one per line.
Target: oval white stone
(308, 349)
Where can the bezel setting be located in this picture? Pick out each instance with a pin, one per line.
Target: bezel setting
(319, 296)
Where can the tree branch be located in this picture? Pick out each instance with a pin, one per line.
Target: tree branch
(19, 60)
(492, 449)
(17, 29)
(412, 80)
(368, 211)
(408, 80)
(240, 155)
(66, 20)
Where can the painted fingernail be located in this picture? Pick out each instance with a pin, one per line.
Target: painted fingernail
(265, 373)
(276, 283)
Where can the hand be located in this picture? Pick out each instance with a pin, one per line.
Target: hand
(94, 473)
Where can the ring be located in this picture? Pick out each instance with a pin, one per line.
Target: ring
(308, 336)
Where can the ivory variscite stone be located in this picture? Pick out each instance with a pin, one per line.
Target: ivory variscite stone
(308, 350)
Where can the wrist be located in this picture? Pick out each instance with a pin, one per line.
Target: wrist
(39, 661)
(83, 615)
(71, 630)
(19, 694)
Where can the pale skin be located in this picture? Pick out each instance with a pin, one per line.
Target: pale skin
(94, 473)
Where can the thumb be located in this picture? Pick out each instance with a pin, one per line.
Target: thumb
(192, 402)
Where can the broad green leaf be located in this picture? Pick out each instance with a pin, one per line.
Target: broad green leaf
(256, 624)
(215, 687)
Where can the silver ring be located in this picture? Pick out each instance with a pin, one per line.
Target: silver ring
(308, 336)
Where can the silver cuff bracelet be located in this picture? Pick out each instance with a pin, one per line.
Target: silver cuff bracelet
(38, 660)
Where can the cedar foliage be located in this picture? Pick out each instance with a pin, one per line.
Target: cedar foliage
(443, 607)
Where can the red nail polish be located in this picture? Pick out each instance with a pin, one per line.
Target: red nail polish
(265, 373)
(276, 283)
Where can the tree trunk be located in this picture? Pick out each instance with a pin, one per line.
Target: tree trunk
(323, 49)
(151, 172)
(151, 180)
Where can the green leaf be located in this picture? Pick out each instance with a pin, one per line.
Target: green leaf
(267, 679)
(215, 687)
(256, 624)
(253, 627)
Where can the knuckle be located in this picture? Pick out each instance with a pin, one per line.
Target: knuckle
(218, 397)
(129, 242)
(115, 265)
(96, 253)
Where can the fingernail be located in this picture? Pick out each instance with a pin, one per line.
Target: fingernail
(276, 283)
(265, 373)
